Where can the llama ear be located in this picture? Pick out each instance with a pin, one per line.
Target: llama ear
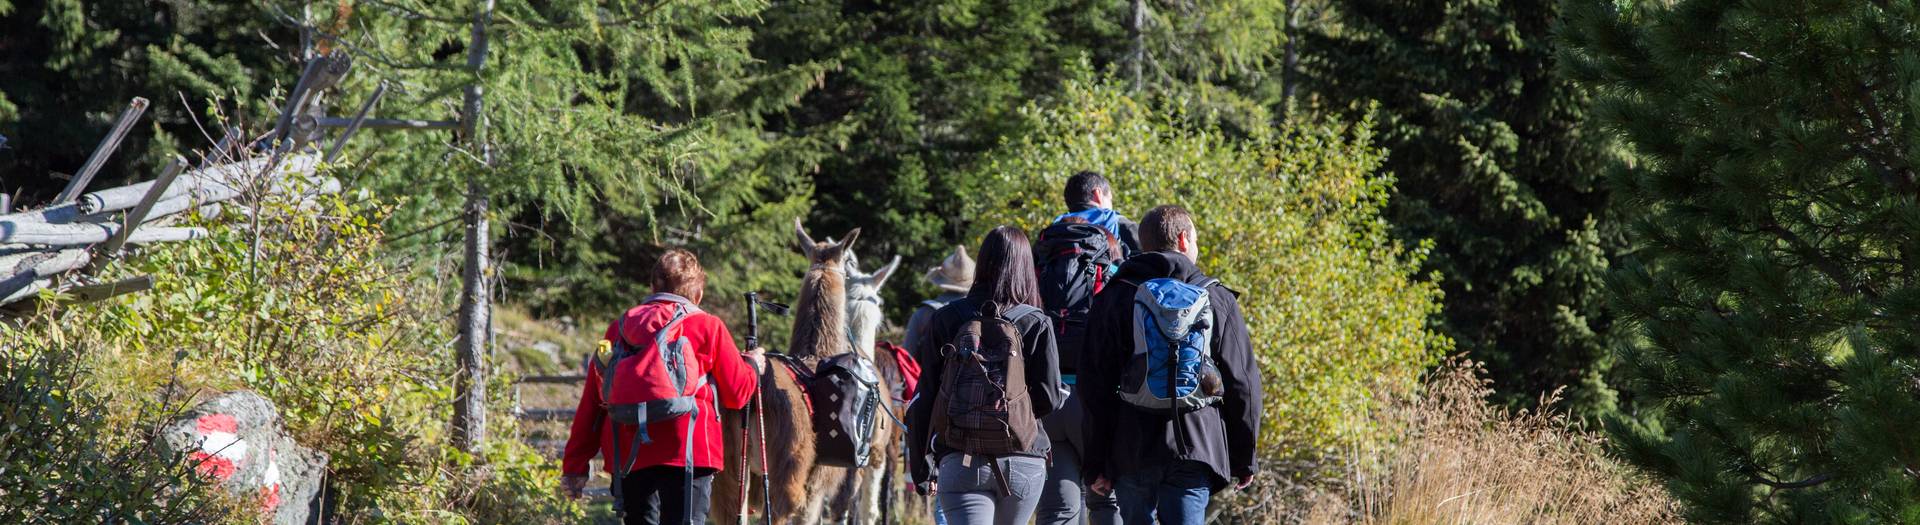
(807, 246)
(848, 244)
(880, 277)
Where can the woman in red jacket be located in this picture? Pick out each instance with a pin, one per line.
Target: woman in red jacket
(669, 468)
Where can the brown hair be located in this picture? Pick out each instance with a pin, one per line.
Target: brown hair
(678, 272)
(1005, 274)
(1162, 226)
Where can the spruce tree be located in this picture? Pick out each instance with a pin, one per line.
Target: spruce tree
(620, 129)
(1496, 165)
(68, 67)
(1771, 288)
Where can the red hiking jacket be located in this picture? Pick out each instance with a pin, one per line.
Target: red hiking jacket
(733, 380)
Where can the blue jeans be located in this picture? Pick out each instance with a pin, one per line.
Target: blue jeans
(972, 494)
(1177, 492)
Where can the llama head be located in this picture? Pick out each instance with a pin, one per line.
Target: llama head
(863, 302)
(830, 255)
(863, 286)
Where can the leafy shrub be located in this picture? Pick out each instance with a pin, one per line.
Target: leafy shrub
(1469, 461)
(1289, 218)
(301, 303)
(59, 463)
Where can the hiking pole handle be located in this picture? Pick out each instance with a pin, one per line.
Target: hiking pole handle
(753, 320)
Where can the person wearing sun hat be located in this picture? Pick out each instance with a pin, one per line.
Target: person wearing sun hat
(954, 277)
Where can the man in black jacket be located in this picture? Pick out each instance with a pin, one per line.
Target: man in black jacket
(1157, 464)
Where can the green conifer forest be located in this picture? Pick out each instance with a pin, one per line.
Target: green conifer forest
(1552, 261)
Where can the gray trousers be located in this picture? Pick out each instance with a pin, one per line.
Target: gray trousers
(972, 494)
(1066, 500)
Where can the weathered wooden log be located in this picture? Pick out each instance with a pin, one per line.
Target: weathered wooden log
(57, 213)
(24, 290)
(359, 119)
(138, 214)
(100, 153)
(15, 263)
(562, 379)
(30, 274)
(388, 123)
(81, 234)
(100, 292)
(213, 184)
(218, 178)
(182, 203)
(546, 414)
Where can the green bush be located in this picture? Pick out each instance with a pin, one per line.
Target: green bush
(303, 304)
(1289, 218)
(59, 464)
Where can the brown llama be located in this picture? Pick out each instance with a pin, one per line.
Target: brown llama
(799, 485)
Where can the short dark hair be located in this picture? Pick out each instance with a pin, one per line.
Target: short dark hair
(678, 272)
(1162, 225)
(1005, 274)
(1080, 187)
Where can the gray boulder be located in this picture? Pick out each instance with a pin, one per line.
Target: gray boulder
(238, 439)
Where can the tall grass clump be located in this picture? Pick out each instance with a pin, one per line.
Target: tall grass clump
(1464, 460)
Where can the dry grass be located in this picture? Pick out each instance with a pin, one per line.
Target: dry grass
(1464, 461)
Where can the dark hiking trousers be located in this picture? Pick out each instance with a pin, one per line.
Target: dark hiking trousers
(658, 496)
(1066, 500)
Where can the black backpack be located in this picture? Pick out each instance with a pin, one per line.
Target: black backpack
(1072, 260)
(845, 394)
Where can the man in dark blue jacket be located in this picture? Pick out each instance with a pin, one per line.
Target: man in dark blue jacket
(1158, 464)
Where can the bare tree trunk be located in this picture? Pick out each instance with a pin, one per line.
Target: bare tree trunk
(476, 309)
(1136, 29)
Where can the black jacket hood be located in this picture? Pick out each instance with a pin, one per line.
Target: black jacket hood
(1155, 265)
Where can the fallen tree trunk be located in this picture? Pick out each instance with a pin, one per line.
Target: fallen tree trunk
(211, 184)
(84, 234)
(30, 273)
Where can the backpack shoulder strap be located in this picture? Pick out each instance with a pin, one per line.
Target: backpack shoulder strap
(680, 314)
(1019, 311)
(605, 364)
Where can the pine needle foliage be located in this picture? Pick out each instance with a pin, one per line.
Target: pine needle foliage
(619, 129)
(1496, 164)
(1772, 290)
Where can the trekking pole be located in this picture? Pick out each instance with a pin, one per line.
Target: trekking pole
(746, 425)
(760, 411)
(766, 482)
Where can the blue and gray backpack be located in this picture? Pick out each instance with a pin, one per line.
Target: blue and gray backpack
(1172, 364)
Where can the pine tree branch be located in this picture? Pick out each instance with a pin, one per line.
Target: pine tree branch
(1789, 485)
(1810, 254)
(1892, 167)
(414, 14)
